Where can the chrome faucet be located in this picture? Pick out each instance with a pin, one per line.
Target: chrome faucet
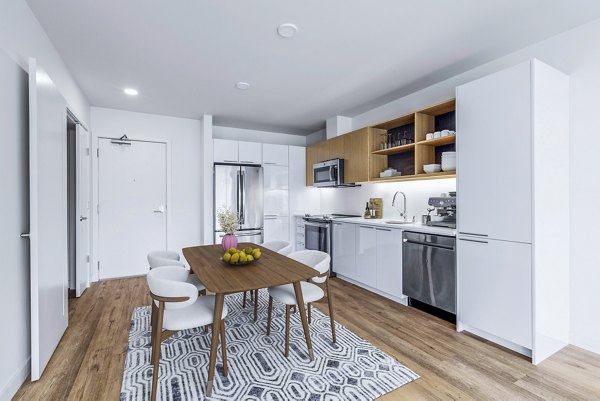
(403, 214)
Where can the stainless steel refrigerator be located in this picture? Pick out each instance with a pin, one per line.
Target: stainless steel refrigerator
(240, 188)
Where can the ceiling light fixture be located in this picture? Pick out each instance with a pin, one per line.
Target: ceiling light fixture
(287, 30)
(130, 91)
(242, 85)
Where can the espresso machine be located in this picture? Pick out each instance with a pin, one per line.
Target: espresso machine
(445, 208)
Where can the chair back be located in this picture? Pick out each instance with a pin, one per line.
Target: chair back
(170, 282)
(282, 247)
(318, 260)
(161, 258)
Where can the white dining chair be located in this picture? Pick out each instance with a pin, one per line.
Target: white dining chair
(282, 247)
(170, 258)
(176, 306)
(311, 291)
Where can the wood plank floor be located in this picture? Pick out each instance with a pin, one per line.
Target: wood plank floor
(88, 363)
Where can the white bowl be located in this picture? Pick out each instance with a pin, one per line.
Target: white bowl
(448, 165)
(432, 168)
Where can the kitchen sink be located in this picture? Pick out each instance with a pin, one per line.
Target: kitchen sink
(398, 222)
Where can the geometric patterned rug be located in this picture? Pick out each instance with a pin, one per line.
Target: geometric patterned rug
(351, 369)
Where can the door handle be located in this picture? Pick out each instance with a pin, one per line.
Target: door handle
(82, 218)
(161, 209)
(25, 235)
(473, 240)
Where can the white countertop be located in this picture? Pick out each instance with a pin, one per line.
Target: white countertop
(407, 227)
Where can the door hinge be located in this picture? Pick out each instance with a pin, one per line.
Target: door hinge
(87, 151)
(87, 259)
(98, 152)
(98, 267)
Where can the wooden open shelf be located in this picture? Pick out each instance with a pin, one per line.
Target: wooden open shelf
(432, 176)
(446, 140)
(395, 150)
(364, 158)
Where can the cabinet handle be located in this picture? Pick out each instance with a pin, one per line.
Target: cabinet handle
(369, 227)
(474, 234)
(384, 229)
(473, 240)
(230, 161)
(269, 163)
(247, 161)
(337, 224)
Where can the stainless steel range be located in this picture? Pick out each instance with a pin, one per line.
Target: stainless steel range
(318, 233)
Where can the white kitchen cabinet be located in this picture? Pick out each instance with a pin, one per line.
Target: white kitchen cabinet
(299, 233)
(366, 255)
(494, 155)
(276, 228)
(495, 288)
(275, 155)
(225, 151)
(512, 174)
(389, 261)
(343, 249)
(250, 152)
(276, 194)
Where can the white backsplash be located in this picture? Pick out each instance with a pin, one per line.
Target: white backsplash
(353, 200)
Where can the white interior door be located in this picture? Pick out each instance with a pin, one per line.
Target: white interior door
(48, 217)
(132, 205)
(83, 201)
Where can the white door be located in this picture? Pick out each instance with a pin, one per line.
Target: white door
(494, 288)
(494, 182)
(250, 152)
(275, 154)
(276, 190)
(366, 255)
(132, 205)
(343, 249)
(276, 228)
(83, 204)
(389, 261)
(48, 217)
(225, 151)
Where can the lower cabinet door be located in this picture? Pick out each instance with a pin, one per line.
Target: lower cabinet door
(277, 228)
(389, 261)
(366, 255)
(343, 249)
(494, 288)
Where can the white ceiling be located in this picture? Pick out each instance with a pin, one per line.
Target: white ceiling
(185, 56)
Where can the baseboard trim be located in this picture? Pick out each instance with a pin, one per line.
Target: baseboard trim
(15, 382)
(460, 326)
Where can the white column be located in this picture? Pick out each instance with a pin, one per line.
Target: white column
(207, 179)
(338, 125)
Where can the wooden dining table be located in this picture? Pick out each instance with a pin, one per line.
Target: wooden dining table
(220, 278)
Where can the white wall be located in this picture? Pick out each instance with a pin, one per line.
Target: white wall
(22, 36)
(250, 135)
(184, 136)
(574, 52)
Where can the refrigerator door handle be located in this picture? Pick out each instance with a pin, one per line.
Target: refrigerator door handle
(242, 200)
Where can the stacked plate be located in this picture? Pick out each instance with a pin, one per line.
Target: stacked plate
(449, 161)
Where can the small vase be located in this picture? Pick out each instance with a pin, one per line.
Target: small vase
(229, 241)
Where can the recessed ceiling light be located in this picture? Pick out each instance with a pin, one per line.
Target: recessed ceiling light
(242, 85)
(130, 91)
(287, 30)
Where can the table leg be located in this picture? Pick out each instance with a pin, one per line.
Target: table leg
(301, 309)
(216, 326)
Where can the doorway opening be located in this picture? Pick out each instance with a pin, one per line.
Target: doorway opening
(71, 203)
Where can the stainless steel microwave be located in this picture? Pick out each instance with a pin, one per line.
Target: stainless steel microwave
(329, 173)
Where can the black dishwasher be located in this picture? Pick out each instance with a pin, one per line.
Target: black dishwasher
(429, 269)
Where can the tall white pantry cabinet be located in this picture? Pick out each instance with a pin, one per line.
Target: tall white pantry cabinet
(513, 208)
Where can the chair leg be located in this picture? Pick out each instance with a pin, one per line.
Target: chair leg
(330, 303)
(153, 317)
(255, 305)
(155, 352)
(203, 292)
(269, 315)
(244, 301)
(223, 348)
(287, 330)
(309, 313)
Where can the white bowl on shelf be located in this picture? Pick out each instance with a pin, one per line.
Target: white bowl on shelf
(432, 168)
(448, 165)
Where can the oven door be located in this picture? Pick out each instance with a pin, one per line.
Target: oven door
(316, 236)
(325, 174)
